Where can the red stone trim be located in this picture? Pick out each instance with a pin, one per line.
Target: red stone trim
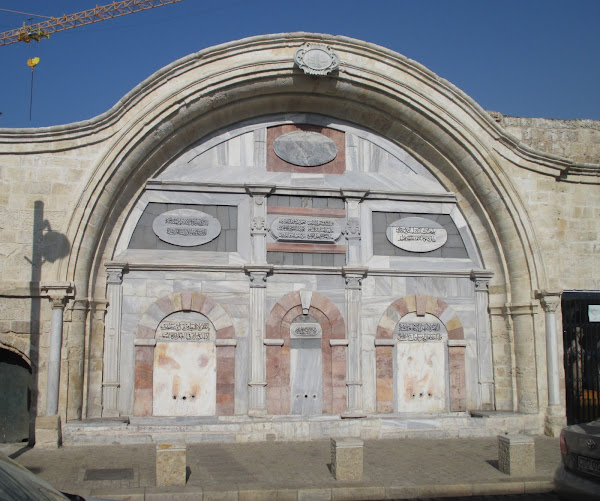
(333, 357)
(305, 211)
(419, 304)
(312, 248)
(144, 355)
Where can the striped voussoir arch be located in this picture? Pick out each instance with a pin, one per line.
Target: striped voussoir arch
(420, 304)
(144, 349)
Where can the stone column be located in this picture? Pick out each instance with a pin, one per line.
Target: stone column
(259, 222)
(522, 317)
(555, 414)
(112, 339)
(76, 321)
(352, 231)
(58, 293)
(257, 402)
(354, 277)
(485, 362)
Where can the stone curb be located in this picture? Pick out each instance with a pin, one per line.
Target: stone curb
(345, 493)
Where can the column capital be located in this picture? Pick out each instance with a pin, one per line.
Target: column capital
(354, 276)
(550, 301)
(114, 272)
(481, 278)
(58, 293)
(258, 226)
(352, 229)
(258, 274)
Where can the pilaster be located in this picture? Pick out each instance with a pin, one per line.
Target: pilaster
(354, 277)
(481, 280)
(112, 339)
(352, 231)
(258, 230)
(257, 403)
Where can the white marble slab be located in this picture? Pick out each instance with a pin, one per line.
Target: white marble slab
(185, 379)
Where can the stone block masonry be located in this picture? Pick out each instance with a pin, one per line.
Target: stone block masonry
(347, 458)
(171, 463)
(516, 455)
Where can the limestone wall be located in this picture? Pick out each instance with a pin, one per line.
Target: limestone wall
(577, 140)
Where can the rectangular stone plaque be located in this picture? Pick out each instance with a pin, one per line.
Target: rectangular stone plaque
(305, 229)
(179, 330)
(419, 331)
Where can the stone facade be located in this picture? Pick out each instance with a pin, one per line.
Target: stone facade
(306, 302)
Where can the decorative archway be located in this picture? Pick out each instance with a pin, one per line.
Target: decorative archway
(420, 304)
(285, 311)
(391, 95)
(145, 343)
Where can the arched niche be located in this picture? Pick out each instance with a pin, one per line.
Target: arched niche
(402, 352)
(150, 345)
(286, 315)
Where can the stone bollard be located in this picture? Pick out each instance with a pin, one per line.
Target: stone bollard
(171, 464)
(516, 455)
(347, 458)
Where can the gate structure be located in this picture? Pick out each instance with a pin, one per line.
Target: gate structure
(581, 337)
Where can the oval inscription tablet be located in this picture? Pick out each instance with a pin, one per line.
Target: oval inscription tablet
(416, 234)
(306, 149)
(186, 227)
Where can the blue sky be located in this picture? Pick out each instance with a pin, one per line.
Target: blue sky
(533, 58)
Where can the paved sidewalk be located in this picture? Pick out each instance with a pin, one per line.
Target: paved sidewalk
(393, 469)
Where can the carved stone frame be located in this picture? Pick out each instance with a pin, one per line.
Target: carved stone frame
(419, 304)
(333, 326)
(145, 343)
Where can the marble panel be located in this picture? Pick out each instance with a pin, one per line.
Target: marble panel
(136, 305)
(137, 274)
(421, 377)
(306, 378)
(230, 286)
(185, 379)
(134, 287)
(159, 288)
(305, 148)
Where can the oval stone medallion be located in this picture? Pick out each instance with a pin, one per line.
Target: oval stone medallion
(416, 234)
(306, 149)
(186, 227)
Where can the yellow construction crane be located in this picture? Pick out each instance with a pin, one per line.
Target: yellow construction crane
(37, 31)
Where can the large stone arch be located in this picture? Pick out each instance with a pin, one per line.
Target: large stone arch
(332, 322)
(144, 350)
(392, 95)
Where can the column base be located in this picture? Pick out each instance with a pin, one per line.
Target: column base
(48, 432)
(555, 420)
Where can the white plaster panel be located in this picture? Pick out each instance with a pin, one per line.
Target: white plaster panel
(421, 381)
(185, 379)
